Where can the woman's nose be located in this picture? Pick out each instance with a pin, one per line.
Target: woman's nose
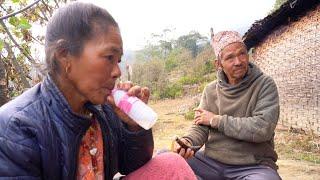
(116, 72)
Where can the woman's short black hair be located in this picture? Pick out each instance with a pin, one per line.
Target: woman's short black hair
(71, 26)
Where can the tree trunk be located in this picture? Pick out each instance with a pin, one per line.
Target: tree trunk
(3, 84)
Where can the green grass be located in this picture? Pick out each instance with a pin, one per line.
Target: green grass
(297, 146)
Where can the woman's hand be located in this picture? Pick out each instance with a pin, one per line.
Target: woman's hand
(141, 93)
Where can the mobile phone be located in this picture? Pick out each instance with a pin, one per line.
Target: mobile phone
(185, 146)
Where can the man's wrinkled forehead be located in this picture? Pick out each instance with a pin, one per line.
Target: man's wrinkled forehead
(237, 48)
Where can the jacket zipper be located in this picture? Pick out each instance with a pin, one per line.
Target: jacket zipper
(76, 150)
(107, 151)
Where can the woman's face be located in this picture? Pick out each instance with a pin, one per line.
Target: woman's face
(94, 72)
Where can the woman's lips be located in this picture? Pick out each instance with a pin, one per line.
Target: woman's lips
(107, 90)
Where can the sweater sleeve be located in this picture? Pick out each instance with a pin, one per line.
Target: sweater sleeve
(198, 134)
(260, 127)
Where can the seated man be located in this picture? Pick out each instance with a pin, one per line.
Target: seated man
(236, 118)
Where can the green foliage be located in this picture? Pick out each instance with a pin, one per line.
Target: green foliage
(166, 69)
(150, 74)
(17, 46)
(148, 53)
(21, 23)
(172, 59)
(208, 67)
(1, 45)
(191, 42)
(189, 115)
(14, 21)
(186, 80)
(277, 4)
(170, 64)
(171, 91)
(24, 24)
(298, 146)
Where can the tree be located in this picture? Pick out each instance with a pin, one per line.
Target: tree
(18, 40)
(159, 46)
(192, 42)
(167, 65)
(3, 84)
(277, 4)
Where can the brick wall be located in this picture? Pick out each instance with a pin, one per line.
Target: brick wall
(291, 55)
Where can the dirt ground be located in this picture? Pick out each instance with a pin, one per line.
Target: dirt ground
(172, 123)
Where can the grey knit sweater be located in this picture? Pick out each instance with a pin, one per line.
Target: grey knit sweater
(249, 112)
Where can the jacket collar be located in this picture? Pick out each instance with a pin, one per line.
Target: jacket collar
(59, 105)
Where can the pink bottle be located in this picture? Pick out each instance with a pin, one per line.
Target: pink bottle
(135, 109)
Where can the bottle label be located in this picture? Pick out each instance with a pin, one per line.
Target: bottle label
(126, 102)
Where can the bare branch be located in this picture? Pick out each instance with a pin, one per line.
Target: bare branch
(19, 11)
(46, 6)
(57, 4)
(44, 15)
(4, 8)
(17, 67)
(37, 40)
(16, 44)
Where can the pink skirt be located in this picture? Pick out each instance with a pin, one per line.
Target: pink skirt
(164, 166)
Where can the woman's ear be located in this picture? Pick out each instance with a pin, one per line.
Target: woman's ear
(62, 56)
(61, 49)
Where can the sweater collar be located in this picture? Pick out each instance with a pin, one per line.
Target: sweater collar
(61, 107)
(252, 74)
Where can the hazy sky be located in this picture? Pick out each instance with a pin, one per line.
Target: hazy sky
(138, 19)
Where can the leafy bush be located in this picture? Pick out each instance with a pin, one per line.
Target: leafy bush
(189, 115)
(150, 74)
(170, 64)
(185, 80)
(167, 69)
(172, 91)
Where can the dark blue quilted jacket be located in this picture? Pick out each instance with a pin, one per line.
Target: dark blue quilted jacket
(40, 137)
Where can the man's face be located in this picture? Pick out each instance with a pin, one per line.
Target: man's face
(234, 60)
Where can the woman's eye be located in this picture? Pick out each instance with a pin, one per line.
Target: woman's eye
(110, 57)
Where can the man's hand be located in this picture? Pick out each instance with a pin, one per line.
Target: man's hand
(205, 118)
(185, 153)
(141, 93)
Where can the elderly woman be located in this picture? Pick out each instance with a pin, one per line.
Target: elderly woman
(67, 126)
